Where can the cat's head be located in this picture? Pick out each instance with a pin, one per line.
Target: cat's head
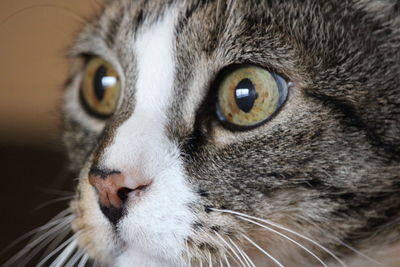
(204, 128)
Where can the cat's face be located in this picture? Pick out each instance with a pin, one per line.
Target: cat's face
(181, 113)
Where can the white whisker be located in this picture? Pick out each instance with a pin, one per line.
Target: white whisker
(63, 223)
(230, 247)
(227, 261)
(47, 203)
(75, 258)
(83, 261)
(263, 251)
(247, 257)
(43, 244)
(220, 263)
(359, 253)
(59, 218)
(286, 237)
(210, 264)
(38, 240)
(57, 192)
(344, 244)
(55, 220)
(286, 229)
(65, 243)
(60, 237)
(60, 260)
(242, 253)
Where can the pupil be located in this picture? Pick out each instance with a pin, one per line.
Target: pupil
(245, 95)
(99, 88)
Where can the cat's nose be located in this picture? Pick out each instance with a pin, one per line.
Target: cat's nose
(114, 189)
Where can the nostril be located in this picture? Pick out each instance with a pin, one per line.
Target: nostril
(114, 189)
(141, 187)
(123, 193)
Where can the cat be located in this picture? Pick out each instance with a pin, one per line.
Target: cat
(235, 132)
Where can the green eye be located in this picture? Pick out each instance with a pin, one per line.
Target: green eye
(100, 88)
(249, 96)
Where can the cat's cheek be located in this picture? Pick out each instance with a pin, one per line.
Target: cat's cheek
(93, 231)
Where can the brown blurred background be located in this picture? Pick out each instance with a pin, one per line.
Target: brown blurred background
(34, 39)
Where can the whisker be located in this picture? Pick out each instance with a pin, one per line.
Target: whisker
(63, 215)
(230, 247)
(56, 242)
(38, 240)
(220, 263)
(263, 251)
(47, 203)
(79, 253)
(229, 254)
(360, 253)
(345, 245)
(227, 261)
(50, 224)
(242, 253)
(286, 229)
(83, 261)
(63, 223)
(210, 264)
(43, 244)
(65, 243)
(81, 19)
(59, 261)
(247, 257)
(286, 237)
(56, 192)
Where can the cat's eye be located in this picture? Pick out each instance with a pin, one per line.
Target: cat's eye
(100, 88)
(249, 95)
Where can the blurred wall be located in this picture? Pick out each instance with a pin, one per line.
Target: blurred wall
(35, 36)
(34, 39)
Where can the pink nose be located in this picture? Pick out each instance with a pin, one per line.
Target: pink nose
(113, 188)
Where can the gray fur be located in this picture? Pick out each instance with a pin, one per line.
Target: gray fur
(329, 158)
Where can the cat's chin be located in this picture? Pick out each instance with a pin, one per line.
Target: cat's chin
(136, 257)
(144, 244)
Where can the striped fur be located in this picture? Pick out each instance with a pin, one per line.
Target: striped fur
(326, 166)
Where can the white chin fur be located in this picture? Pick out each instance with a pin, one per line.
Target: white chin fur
(157, 226)
(137, 258)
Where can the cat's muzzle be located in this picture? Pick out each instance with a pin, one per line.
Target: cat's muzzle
(115, 190)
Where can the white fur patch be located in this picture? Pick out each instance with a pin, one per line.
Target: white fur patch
(155, 228)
